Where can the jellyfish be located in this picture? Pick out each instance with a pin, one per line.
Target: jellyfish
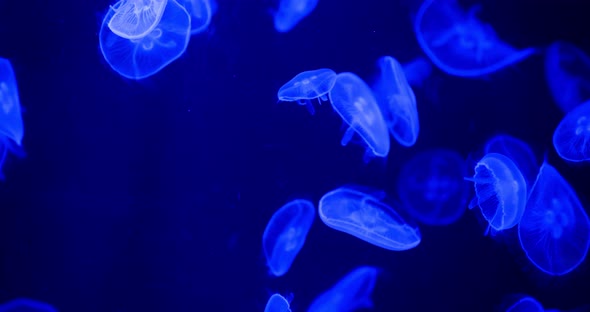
(555, 230)
(570, 138)
(354, 101)
(145, 56)
(26, 305)
(397, 101)
(11, 122)
(500, 190)
(307, 86)
(367, 218)
(201, 12)
(567, 71)
(277, 303)
(526, 304)
(134, 19)
(285, 234)
(417, 71)
(351, 293)
(460, 44)
(432, 189)
(291, 12)
(519, 152)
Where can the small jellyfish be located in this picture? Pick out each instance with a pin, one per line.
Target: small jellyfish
(307, 86)
(145, 56)
(572, 135)
(526, 304)
(26, 305)
(291, 12)
(397, 101)
(432, 189)
(417, 71)
(354, 101)
(500, 190)
(285, 234)
(351, 293)
(567, 71)
(366, 217)
(11, 122)
(460, 44)
(134, 19)
(201, 12)
(277, 303)
(519, 152)
(555, 230)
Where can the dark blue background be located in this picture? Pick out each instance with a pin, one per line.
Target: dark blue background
(153, 195)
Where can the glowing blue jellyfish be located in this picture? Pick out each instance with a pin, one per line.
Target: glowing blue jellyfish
(201, 12)
(572, 135)
(285, 234)
(432, 189)
(567, 71)
(526, 304)
(11, 122)
(354, 101)
(367, 218)
(307, 86)
(417, 71)
(134, 19)
(519, 152)
(26, 305)
(500, 190)
(460, 44)
(291, 12)
(351, 293)
(554, 231)
(397, 101)
(277, 303)
(142, 57)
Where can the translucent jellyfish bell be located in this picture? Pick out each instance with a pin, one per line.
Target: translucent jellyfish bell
(11, 122)
(307, 86)
(555, 230)
(134, 19)
(571, 138)
(500, 190)
(417, 71)
(277, 303)
(354, 101)
(519, 152)
(143, 57)
(526, 304)
(460, 44)
(397, 101)
(201, 12)
(291, 12)
(26, 305)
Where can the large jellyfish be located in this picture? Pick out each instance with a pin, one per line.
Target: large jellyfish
(432, 189)
(142, 57)
(572, 135)
(354, 101)
(366, 217)
(460, 44)
(134, 19)
(285, 234)
(201, 12)
(26, 305)
(277, 303)
(11, 122)
(291, 12)
(555, 230)
(307, 86)
(397, 101)
(519, 152)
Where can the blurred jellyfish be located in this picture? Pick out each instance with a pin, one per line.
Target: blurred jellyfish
(277, 303)
(460, 44)
(291, 12)
(567, 71)
(11, 122)
(201, 12)
(417, 71)
(519, 152)
(500, 190)
(134, 19)
(351, 293)
(432, 189)
(26, 305)
(285, 234)
(554, 231)
(354, 101)
(142, 57)
(526, 304)
(307, 86)
(366, 217)
(397, 101)
(572, 135)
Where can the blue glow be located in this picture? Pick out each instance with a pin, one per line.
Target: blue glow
(366, 217)
(285, 234)
(201, 12)
(555, 231)
(307, 86)
(277, 303)
(417, 71)
(145, 56)
(572, 135)
(519, 152)
(291, 12)
(26, 305)
(11, 122)
(432, 189)
(134, 19)
(526, 304)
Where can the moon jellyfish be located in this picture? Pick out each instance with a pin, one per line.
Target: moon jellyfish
(291, 12)
(285, 234)
(417, 70)
(397, 101)
(11, 122)
(134, 19)
(354, 101)
(142, 57)
(519, 152)
(460, 44)
(277, 303)
(500, 190)
(432, 189)
(201, 12)
(367, 218)
(351, 293)
(26, 305)
(572, 135)
(307, 86)
(567, 71)
(555, 231)
(526, 304)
